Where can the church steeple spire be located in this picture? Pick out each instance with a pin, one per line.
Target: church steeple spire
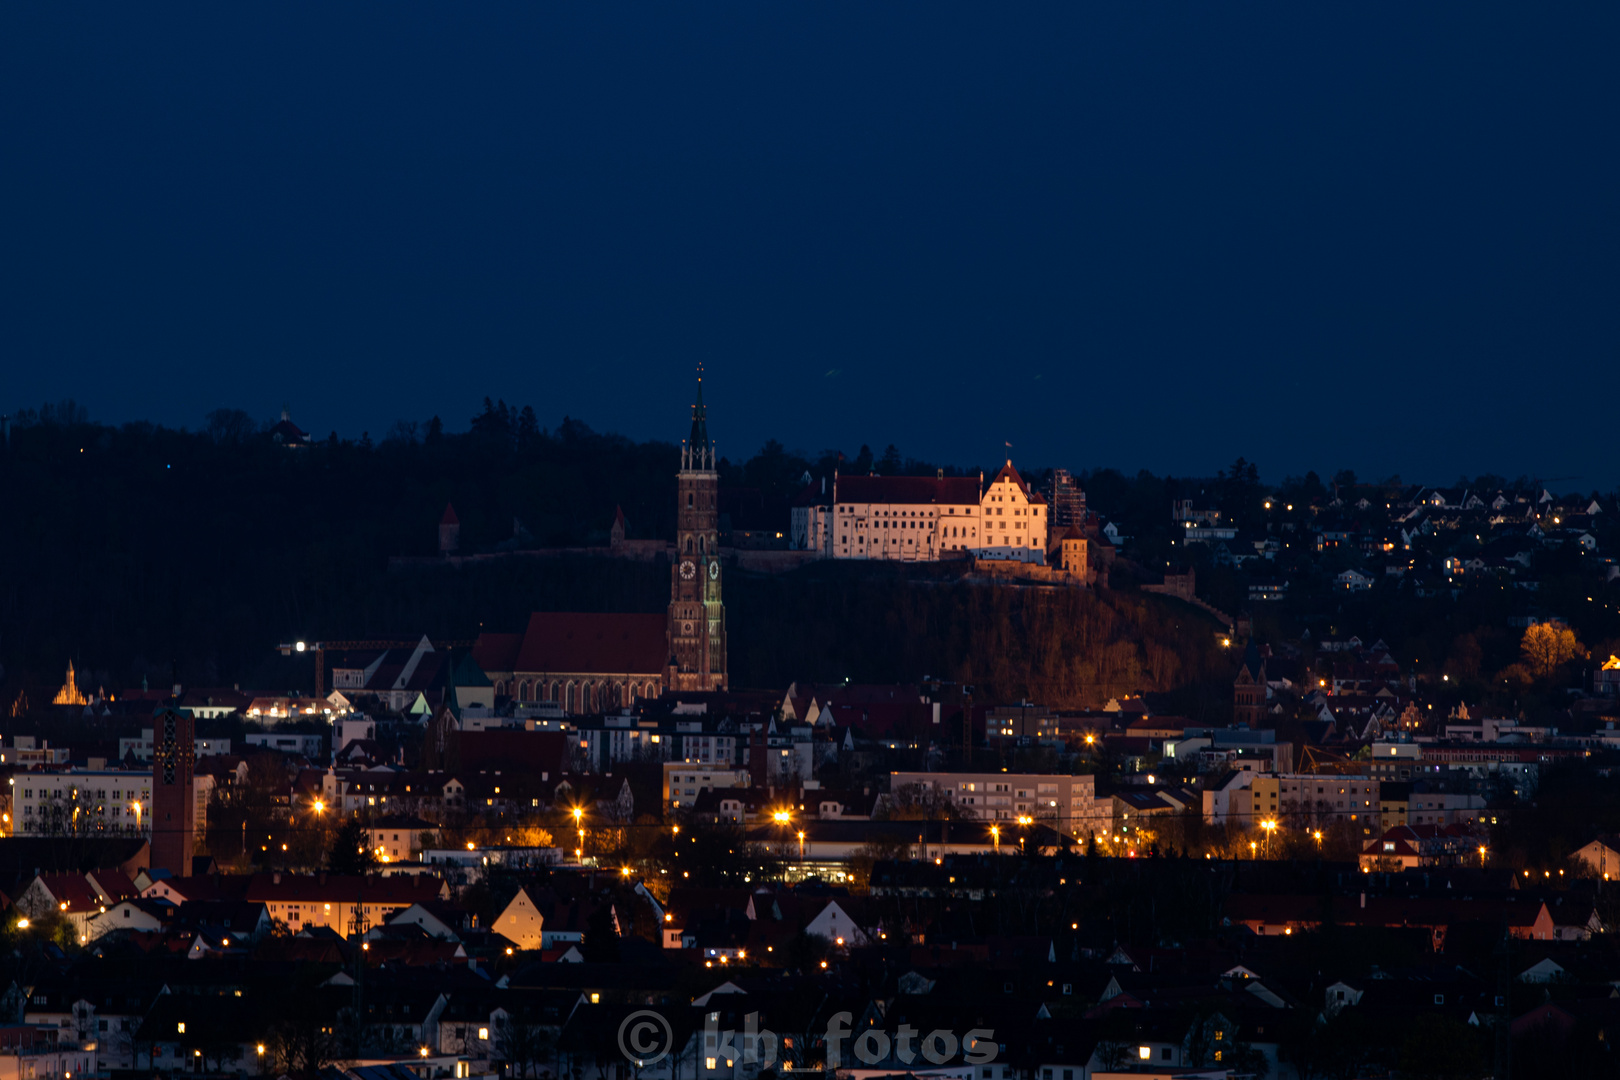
(700, 420)
(699, 452)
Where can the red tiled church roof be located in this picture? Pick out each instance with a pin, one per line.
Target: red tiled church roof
(569, 642)
(497, 652)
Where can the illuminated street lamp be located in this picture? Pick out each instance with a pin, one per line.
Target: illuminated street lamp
(1482, 856)
(995, 837)
(1270, 826)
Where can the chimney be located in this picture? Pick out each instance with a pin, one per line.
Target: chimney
(1363, 900)
(275, 878)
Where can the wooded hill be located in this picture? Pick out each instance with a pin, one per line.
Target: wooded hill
(144, 552)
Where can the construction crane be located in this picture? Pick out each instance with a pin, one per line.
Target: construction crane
(319, 648)
(1317, 760)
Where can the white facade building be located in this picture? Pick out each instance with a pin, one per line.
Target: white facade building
(903, 518)
(1014, 520)
(922, 518)
(83, 803)
(1062, 801)
(141, 748)
(810, 520)
(684, 781)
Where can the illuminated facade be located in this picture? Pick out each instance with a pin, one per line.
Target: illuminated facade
(922, 518)
(697, 617)
(70, 693)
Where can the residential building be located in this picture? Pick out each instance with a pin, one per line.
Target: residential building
(1602, 857)
(205, 745)
(77, 802)
(400, 837)
(1056, 800)
(307, 744)
(684, 781)
(309, 900)
(1407, 847)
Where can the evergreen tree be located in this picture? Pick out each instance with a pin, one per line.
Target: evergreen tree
(601, 944)
(350, 852)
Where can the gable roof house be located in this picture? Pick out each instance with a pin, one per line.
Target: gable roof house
(75, 897)
(521, 922)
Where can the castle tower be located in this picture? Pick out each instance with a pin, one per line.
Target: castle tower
(174, 801)
(449, 531)
(1249, 689)
(697, 618)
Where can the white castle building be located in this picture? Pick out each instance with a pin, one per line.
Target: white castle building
(922, 518)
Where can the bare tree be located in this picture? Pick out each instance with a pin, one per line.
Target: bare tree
(523, 1044)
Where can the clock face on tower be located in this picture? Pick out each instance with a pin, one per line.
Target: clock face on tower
(688, 571)
(714, 571)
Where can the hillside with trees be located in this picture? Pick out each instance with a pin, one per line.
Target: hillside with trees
(144, 552)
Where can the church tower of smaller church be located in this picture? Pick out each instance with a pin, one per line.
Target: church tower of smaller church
(697, 617)
(174, 797)
(1249, 689)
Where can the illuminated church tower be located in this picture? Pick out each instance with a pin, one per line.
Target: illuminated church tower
(697, 618)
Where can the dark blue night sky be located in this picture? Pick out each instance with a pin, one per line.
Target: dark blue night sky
(1381, 237)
